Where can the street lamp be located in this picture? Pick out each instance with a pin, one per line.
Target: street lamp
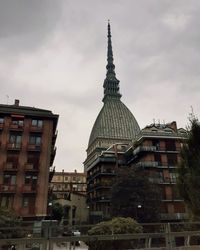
(137, 208)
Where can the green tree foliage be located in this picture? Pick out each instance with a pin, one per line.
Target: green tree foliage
(9, 223)
(57, 211)
(189, 171)
(133, 195)
(117, 225)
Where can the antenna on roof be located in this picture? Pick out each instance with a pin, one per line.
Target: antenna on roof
(192, 115)
(7, 98)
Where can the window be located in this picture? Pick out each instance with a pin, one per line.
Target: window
(30, 179)
(33, 159)
(66, 178)
(12, 158)
(15, 139)
(158, 158)
(172, 159)
(35, 140)
(37, 123)
(27, 179)
(170, 145)
(9, 179)
(173, 176)
(6, 201)
(25, 201)
(1, 120)
(18, 122)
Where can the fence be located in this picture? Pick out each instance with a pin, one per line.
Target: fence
(179, 236)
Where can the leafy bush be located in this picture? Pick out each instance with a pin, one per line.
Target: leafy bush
(118, 225)
(8, 223)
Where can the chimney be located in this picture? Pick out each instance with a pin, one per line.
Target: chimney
(16, 102)
(173, 126)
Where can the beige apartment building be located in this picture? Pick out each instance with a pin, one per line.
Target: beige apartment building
(63, 182)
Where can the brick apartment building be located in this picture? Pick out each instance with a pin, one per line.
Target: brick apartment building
(156, 150)
(27, 151)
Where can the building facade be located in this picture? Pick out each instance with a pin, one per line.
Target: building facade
(27, 151)
(69, 189)
(101, 178)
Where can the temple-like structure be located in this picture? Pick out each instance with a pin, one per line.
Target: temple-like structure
(115, 124)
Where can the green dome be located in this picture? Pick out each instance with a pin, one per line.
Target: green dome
(115, 121)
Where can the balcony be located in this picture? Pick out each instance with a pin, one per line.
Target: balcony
(30, 167)
(34, 147)
(109, 172)
(16, 127)
(10, 166)
(28, 188)
(14, 146)
(165, 180)
(102, 185)
(1, 125)
(53, 154)
(102, 198)
(7, 188)
(173, 216)
(54, 137)
(37, 129)
(147, 164)
(27, 211)
(144, 149)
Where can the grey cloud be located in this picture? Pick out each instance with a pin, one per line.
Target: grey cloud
(25, 24)
(53, 56)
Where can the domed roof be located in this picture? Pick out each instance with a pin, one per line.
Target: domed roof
(115, 121)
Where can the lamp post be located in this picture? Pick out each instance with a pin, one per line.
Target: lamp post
(138, 207)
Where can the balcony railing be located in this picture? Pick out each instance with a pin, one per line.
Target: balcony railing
(30, 167)
(162, 134)
(10, 166)
(172, 197)
(103, 184)
(34, 147)
(14, 146)
(1, 125)
(173, 216)
(165, 180)
(16, 126)
(147, 164)
(53, 154)
(36, 128)
(27, 211)
(144, 148)
(102, 198)
(7, 188)
(155, 164)
(26, 188)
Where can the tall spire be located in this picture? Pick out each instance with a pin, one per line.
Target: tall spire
(111, 84)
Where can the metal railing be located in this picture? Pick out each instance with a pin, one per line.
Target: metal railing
(163, 236)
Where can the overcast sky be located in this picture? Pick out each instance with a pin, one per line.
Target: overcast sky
(53, 56)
